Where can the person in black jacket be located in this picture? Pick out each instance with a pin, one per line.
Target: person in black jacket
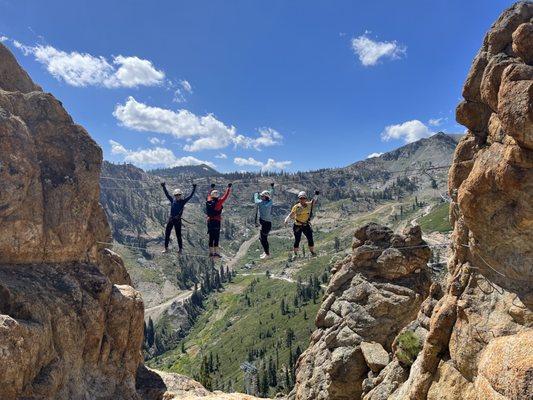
(177, 204)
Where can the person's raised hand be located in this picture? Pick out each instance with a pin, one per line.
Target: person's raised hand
(230, 184)
(212, 186)
(317, 192)
(163, 184)
(272, 184)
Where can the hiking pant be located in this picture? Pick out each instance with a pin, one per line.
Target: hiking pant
(176, 223)
(306, 230)
(213, 230)
(266, 226)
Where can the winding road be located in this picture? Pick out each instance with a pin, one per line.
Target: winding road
(155, 312)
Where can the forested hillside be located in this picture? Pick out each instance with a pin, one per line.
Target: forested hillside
(239, 308)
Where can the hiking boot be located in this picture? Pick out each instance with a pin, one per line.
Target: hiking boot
(314, 254)
(216, 255)
(264, 256)
(164, 251)
(180, 251)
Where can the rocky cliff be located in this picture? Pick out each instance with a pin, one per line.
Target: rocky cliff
(473, 339)
(71, 324)
(372, 295)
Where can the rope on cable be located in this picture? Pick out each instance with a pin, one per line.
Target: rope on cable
(145, 249)
(430, 168)
(495, 270)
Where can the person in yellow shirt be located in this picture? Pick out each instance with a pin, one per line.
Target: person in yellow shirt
(302, 213)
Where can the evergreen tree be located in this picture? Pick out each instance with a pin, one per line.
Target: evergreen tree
(150, 333)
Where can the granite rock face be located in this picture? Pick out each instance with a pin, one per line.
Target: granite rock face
(371, 296)
(479, 341)
(71, 326)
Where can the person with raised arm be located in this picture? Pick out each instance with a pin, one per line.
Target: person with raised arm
(302, 213)
(177, 205)
(264, 205)
(213, 209)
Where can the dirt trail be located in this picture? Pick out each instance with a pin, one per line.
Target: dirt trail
(155, 312)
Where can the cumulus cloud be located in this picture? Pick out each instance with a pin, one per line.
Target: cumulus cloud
(409, 131)
(201, 132)
(157, 156)
(252, 162)
(436, 121)
(222, 156)
(373, 155)
(371, 51)
(84, 69)
(270, 165)
(117, 148)
(3, 38)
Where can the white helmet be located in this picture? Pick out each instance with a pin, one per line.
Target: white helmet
(265, 193)
(302, 195)
(177, 192)
(214, 194)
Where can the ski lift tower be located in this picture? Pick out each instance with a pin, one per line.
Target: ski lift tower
(250, 378)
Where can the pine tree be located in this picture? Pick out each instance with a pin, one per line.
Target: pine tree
(150, 333)
(337, 244)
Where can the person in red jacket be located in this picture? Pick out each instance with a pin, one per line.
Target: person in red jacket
(213, 209)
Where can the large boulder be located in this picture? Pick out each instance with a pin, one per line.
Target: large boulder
(371, 296)
(49, 170)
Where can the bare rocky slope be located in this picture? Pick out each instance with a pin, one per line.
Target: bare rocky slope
(472, 339)
(71, 324)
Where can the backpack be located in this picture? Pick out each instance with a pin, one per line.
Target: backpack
(210, 208)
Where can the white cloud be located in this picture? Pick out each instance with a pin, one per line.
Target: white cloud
(3, 38)
(157, 156)
(222, 156)
(436, 121)
(155, 140)
(270, 165)
(181, 92)
(267, 137)
(372, 155)
(371, 51)
(252, 162)
(83, 69)
(134, 72)
(117, 148)
(186, 86)
(201, 132)
(409, 131)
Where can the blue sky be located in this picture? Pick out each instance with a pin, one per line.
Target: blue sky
(249, 84)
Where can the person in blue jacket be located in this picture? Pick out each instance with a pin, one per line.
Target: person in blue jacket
(177, 204)
(264, 204)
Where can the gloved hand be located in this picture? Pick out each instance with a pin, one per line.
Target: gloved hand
(212, 186)
(230, 184)
(317, 192)
(163, 184)
(272, 184)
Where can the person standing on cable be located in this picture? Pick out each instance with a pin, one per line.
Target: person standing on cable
(301, 213)
(177, 204)
(213, 209)
(264, 204)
